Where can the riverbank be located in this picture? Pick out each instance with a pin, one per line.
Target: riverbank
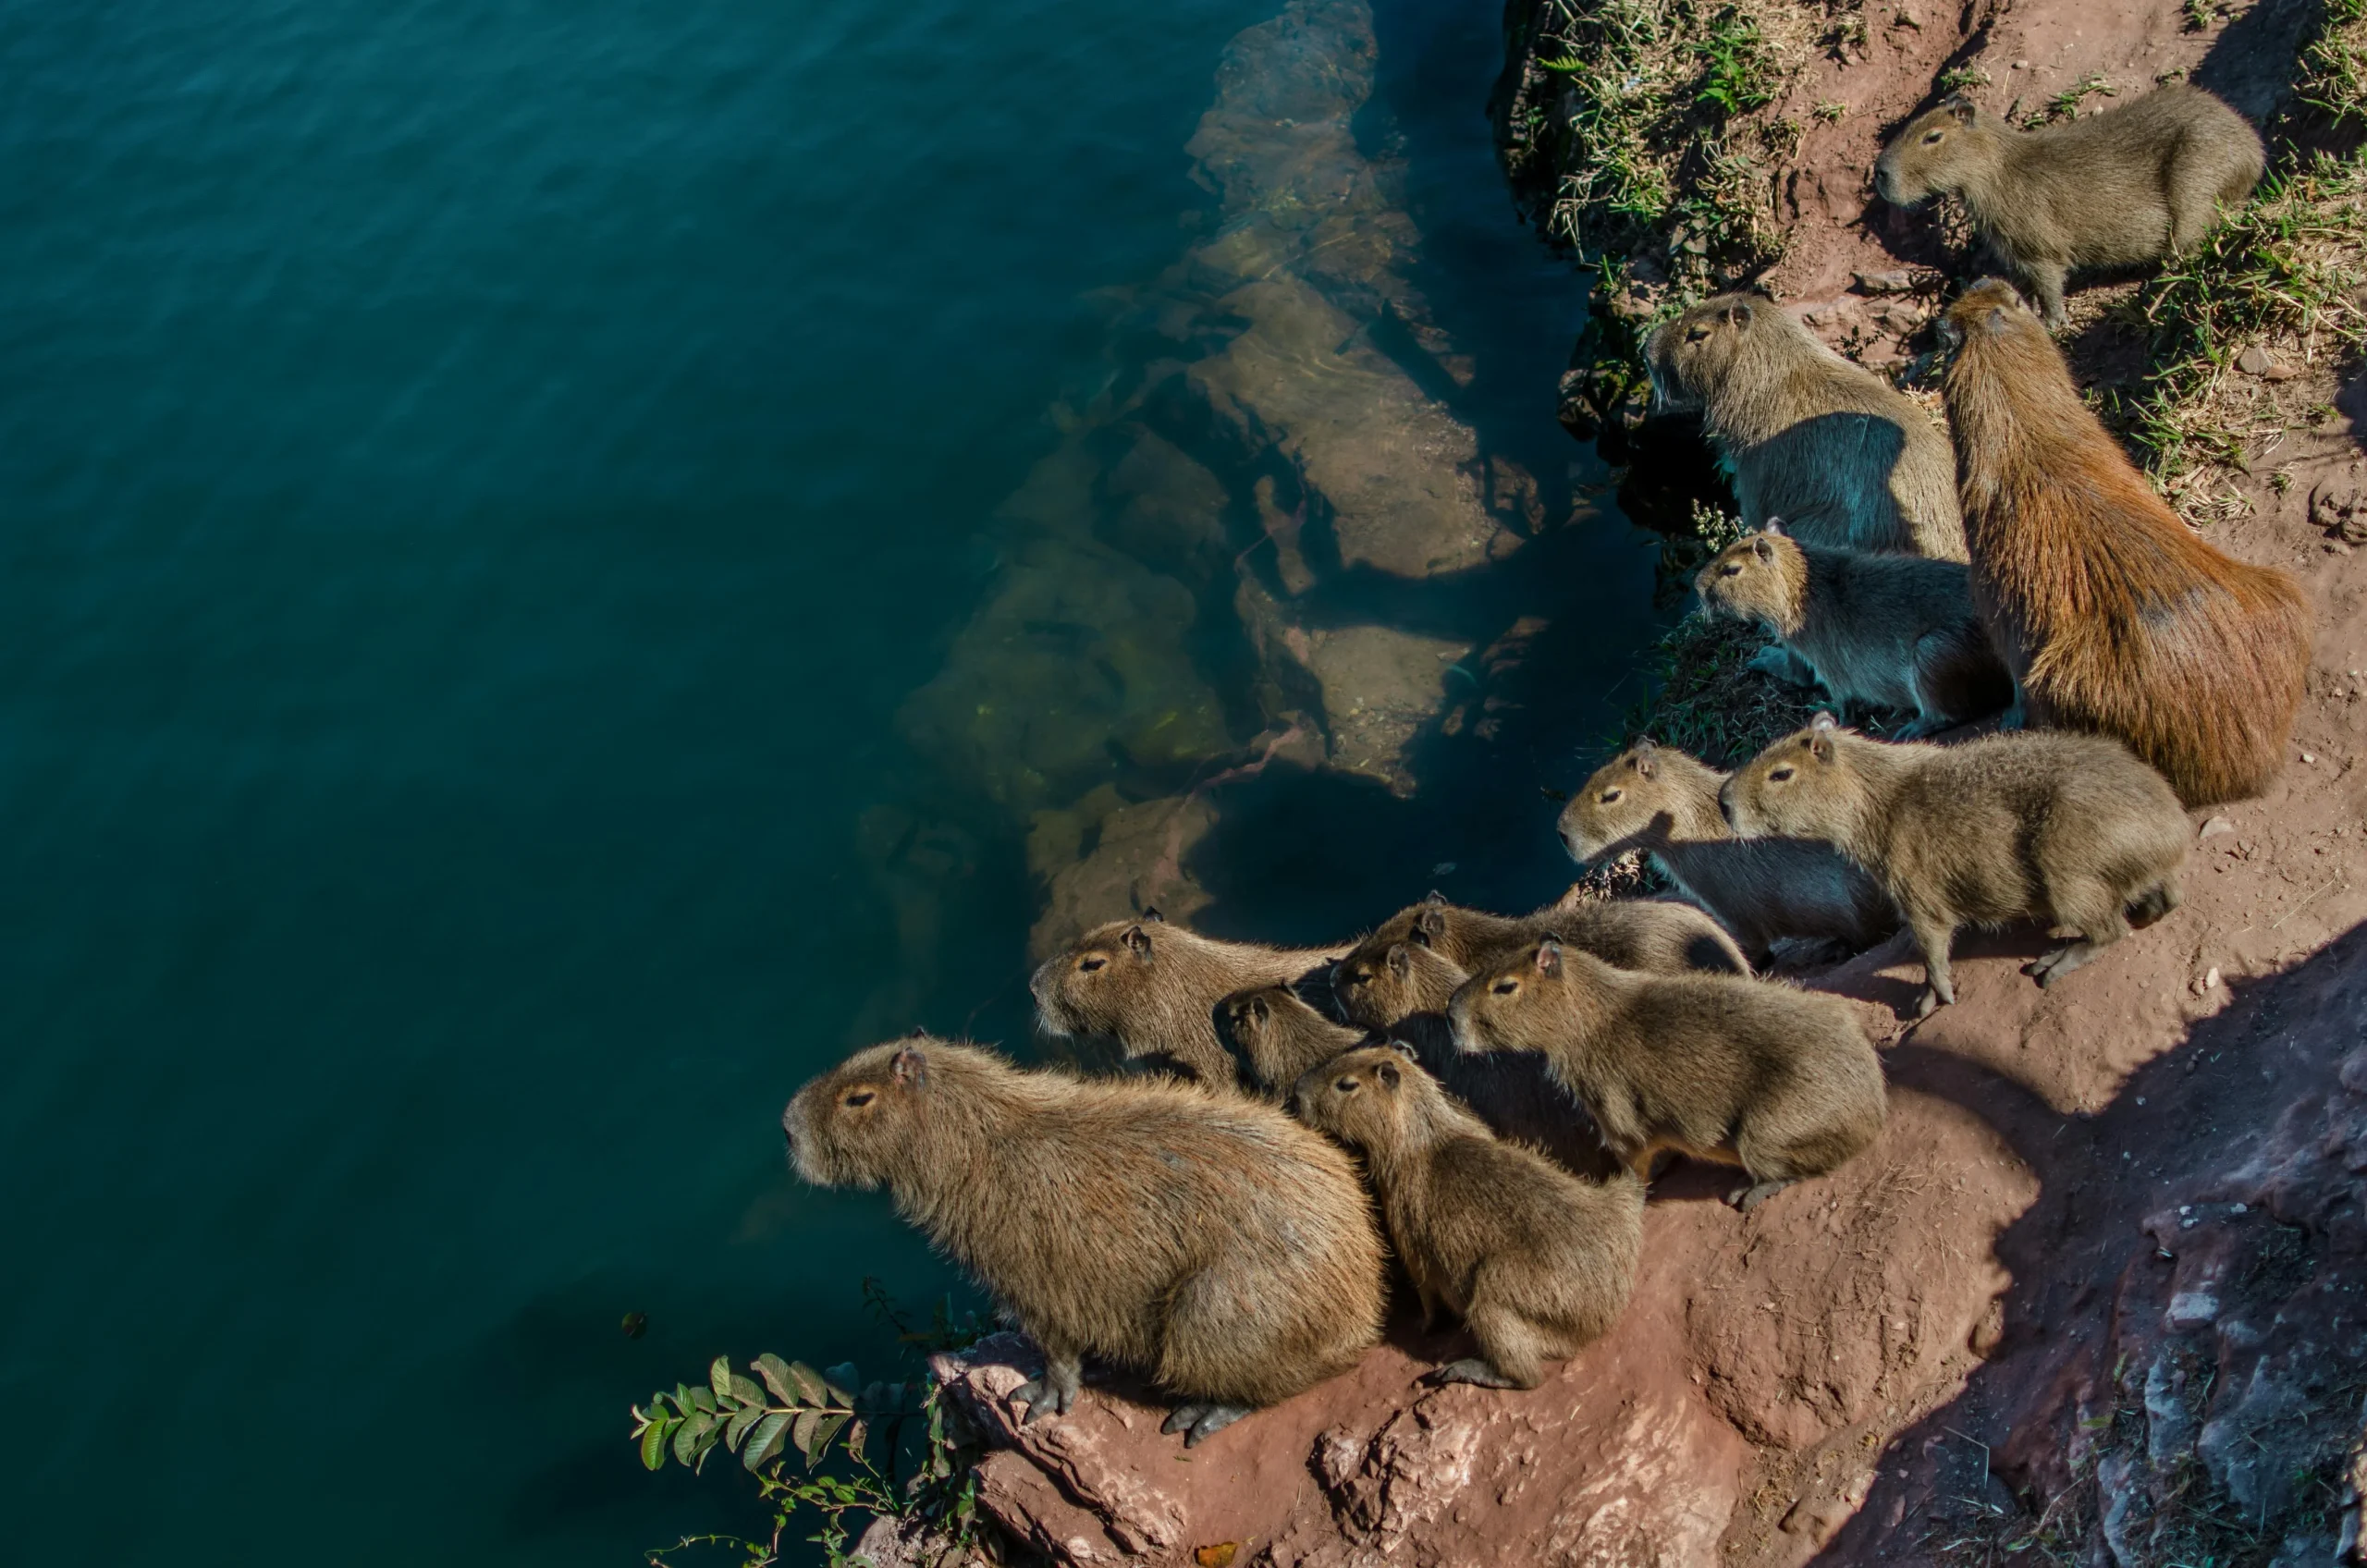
(2096, 1295)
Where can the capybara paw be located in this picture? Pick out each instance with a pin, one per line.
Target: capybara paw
(1930, 1002)
(1473, 1369)
(1044, 1396)
(1198, 1421)
(1750, 1198)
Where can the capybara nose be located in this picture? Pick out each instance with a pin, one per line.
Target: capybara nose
(1726, 808)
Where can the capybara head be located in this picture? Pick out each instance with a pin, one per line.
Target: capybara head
(1990, 309)
(1630, 799)
(1361, 1098)
(1761, 577)
(1690, 357)
(1379, 990)
(1512, 1006)
(1936, 152)
(1801, 787)
(1099, 983)
(857, 1125)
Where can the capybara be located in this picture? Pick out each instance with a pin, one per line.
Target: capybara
(1663, 802)
(1885, 631)
(1749, 1073)
(1831, 447)
(2111, 615)
(1536, 1262)
(2066, 828)
(1212, 1242)
(2129, 185)
(1660, 935)
(1153, 988)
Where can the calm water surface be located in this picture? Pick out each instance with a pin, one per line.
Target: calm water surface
(478, 480)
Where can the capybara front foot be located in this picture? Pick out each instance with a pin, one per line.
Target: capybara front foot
(1054, 1393)
(1930, 1001)
(2054, 966)
(1748, 1198)
(1197, 1420)
(1474, 1369)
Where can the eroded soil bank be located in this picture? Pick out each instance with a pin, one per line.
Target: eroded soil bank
(2100, 1295)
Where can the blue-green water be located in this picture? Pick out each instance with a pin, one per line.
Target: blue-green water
(476, 483)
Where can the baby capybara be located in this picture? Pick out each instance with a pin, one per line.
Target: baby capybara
(2070, 829)
(1208, 1240)
(2129, 185)
(2110, 614)
(1781, 1082)
(1536, 1261)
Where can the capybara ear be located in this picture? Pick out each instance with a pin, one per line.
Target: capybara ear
(1400, 960)
(1762, 549)
(1548, 956)
(1152, 914)
(910, 1069)
(1405, 1048)
(1646, 761)
(1959, 105)
(1388, 1074)
(1434, 897)
(1821, 730)
(916, 1033)
(1824, 722)
(1138, 939)
(1774, 525)
(1430, 924)
(1739, 312)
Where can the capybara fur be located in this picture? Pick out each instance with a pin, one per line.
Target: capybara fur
(1749, 1073)
(1402, 995)
(1277, 1037)
(2069, 830)
(1877, 630)
(1152, 988)
(1660, 935)
(1536, 1262)
(2129, 185)
(1209, 1241)
(2111, 615)
(1663, 802)
(1829, 446)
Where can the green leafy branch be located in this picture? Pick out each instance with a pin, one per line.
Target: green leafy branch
(787, 1407)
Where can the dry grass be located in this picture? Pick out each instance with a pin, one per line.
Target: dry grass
(2282, 275)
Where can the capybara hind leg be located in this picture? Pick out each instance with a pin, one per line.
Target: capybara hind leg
(1197, 1419)
(2095, 912)
(2046, 285)
(1512, 1353)
(2054, 966)
(1938, 983)
(1054, 1394)
(1748, 1198)
(2153, 903)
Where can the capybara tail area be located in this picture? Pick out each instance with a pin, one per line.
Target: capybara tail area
(1245, 1331)
(2202, 688)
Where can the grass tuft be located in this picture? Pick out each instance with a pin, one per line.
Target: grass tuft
(2333, 67)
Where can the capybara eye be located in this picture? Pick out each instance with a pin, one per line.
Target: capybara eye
(1611, 797)
(1346, 1085)
(1730, 569)
(1931, 138)
(1505, 988)
(1780, 775)
(860, 1099)
(1694, 335)
(1088, 965)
